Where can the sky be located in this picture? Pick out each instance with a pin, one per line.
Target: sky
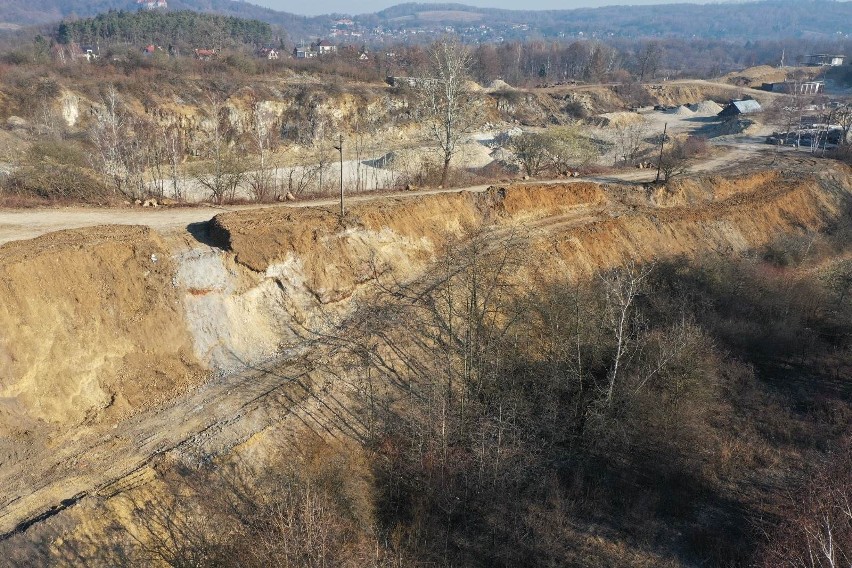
(369, 6)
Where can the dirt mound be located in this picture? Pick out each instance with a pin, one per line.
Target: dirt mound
(334, 258)
(756, 76)
(98, 325)
(742, 222)
(616, 119)
(687, 92)
(696, 191)
(681, 110)
(707, 108)
(525, 202)
(400, 234)
(500, 85)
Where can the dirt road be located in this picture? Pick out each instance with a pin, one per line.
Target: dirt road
(102, 462)
(20, 224)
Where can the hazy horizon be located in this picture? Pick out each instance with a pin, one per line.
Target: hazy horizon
(371, 6)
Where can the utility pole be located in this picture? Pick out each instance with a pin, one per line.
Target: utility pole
(339, 148)
(662, 142)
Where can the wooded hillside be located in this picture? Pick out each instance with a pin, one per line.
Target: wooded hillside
(163, 28)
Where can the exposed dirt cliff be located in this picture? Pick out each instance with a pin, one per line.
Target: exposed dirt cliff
(104, 322)
(92, 328)
(585, 223)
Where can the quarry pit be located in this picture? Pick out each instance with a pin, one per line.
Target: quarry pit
(132, 349)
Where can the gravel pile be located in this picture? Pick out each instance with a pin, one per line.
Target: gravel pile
(500, 85)
(707, 107)
(681, 111)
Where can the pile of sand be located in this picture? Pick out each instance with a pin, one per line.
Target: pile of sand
(706, 108)
(616, 119)
(500, 85)
(109, 335)
(473, 86)
(733, 126)
(680, 111)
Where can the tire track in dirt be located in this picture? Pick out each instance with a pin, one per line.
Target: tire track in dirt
(216, 416)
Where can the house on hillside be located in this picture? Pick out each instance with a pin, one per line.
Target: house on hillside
(323, 47)
(824, 60)
(302, 52)
(318, 48)
(90, 52)
(736, 108)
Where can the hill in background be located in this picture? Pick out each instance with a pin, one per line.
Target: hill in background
(32, 12)
(771, 19)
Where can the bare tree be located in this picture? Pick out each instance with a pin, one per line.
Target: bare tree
(174, 149)
(787, 113)
(817, 532)
(47, 120)
(112, 135)
(568, 149)
(621, 288)
(648, 60)
(530, 151)
(676, 159)
(843, 116)
(262, 139)
(225, 170)
(629, 141)
(447, 99)
(557, 149)
(299, 179)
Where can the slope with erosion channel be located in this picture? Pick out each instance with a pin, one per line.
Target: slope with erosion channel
(274, 274)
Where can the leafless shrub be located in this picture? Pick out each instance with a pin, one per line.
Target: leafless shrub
(817, 530)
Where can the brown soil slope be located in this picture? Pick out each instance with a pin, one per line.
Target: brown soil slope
(713, 214)
(98, 323)
(91, 322)
(738, 224)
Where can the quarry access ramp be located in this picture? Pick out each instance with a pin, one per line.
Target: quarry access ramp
(19, 224)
